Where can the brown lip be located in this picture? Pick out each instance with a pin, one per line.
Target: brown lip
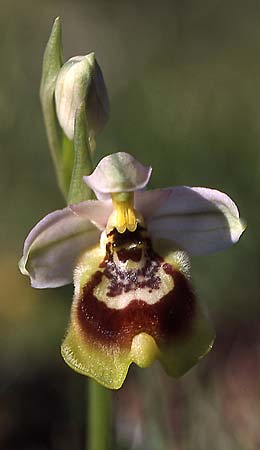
(172, 316)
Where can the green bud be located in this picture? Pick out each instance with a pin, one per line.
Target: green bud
(80, 81)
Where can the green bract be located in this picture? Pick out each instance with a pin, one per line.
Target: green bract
(70, 93)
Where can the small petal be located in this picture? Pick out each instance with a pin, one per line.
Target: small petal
(198, 220)
(96, 210)
(119, 172)
(54, 244)
(148, 202)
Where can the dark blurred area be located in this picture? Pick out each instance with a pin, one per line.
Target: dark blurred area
(183, 79)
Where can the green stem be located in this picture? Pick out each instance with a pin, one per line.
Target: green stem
(99, 417)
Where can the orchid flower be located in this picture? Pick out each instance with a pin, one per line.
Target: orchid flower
(127, 253)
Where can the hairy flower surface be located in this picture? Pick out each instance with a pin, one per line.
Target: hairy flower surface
(127, 253)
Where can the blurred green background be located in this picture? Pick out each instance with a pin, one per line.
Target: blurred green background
(183, 79)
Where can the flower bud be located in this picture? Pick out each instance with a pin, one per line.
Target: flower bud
(80, 80)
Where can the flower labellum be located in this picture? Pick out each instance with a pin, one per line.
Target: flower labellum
(80, 80)
(127, 253)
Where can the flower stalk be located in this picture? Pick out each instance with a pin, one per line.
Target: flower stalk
(99, 426)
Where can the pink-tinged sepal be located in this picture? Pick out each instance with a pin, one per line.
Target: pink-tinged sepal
(119, 172)
(53, 246)
(133, 304)
(197, 220)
